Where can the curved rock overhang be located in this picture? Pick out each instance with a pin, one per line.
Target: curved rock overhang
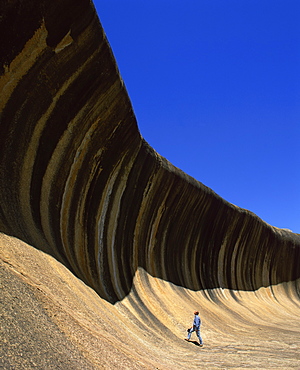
(78, 181)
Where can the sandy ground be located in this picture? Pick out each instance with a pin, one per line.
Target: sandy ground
(52, 320)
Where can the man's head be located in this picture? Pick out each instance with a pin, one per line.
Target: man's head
(196, 313)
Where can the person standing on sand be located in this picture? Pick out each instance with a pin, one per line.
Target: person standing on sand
(196, 328)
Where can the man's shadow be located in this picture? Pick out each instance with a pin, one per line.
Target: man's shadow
(194, 342)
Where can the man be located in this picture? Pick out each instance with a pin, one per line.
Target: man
(196, 328)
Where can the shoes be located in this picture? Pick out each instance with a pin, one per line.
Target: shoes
(201, 345)
(186, 339)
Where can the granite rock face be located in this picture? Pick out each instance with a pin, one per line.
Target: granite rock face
(78, 181)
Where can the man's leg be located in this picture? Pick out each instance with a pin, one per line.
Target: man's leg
(199, 337)
(190, 333)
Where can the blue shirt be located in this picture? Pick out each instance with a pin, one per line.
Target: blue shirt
(197, 322)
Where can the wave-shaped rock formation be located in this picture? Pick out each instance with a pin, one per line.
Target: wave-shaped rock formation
(78, 182)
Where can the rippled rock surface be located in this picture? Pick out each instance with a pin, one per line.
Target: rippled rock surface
(78, 181)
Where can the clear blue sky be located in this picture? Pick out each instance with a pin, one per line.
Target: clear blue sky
(215, 86)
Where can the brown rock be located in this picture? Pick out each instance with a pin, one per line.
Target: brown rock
(78, 182)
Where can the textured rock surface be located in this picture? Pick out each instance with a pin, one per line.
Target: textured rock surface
(50, 319)
(78, 181)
